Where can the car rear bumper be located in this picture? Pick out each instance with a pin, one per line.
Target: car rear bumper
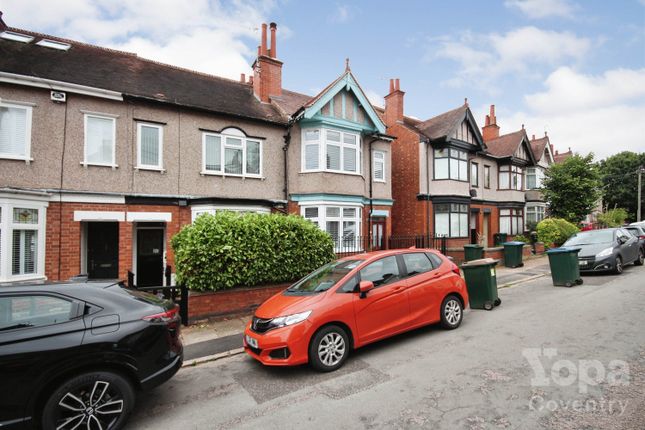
(286, 346)
(163, 374)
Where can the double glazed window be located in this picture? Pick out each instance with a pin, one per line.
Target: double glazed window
(451, 220)
(534, 176)
(378, 166)
(534, 214)
(149, 146)
(21, 241)
(331, 150)
(510, 178)
(474, 174)
(341, 222)
(100, 136)
(15, 131)
(511, 221)
(486, 176)
(231, 154)
(450, 163)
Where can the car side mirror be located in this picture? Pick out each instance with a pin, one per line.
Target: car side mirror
(622, 240)
(364, 287)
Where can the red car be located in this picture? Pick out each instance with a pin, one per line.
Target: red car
(355, 301)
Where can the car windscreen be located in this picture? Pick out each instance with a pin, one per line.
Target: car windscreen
(591, 238)
(325, 277)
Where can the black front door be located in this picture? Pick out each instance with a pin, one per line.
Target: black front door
(149, 257)
(103, 250)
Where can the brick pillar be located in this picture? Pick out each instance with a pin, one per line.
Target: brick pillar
(125, 249)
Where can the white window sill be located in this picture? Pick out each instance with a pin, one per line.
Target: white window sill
(113, 166)
(340, 172)
(230, 175)
(151, 168)
(382, 181)
(16, 157)
(19, 278)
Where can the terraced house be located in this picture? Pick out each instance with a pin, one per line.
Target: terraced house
(105, 155)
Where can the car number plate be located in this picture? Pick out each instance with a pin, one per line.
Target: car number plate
(583, 262)
(251, 342)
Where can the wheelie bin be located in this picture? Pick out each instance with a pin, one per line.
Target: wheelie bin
(473, 252)
(500, 238)
(513, 254)
(565, 270)
(481, 282)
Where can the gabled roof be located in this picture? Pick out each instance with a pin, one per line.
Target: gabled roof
(132, 76)
(506, 145)
(539, 147)
(559, 157)
(444, 125)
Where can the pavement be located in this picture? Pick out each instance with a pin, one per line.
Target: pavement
(547, 358)
(218, 339)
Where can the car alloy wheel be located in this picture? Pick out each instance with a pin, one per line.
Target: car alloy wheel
(331, 349)
(452, 312)
(95, 401)
(641, 258)
(619, 265)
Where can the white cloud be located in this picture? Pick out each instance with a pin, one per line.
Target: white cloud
(543, 8)
(599, 113)
(342, 14)
(210, 36)
(374, 97)
(483, 58)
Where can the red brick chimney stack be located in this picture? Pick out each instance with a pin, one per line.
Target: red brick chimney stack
(490, 131)
(394, 103)
(533, 138)
(267, 69)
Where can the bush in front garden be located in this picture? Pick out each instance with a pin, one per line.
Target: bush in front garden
(555, 231)
(227, 250)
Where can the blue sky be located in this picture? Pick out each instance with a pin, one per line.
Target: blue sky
(573, 68)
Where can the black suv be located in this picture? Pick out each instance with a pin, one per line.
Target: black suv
(74, 355)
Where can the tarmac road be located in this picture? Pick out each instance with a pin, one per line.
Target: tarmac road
(548, 357)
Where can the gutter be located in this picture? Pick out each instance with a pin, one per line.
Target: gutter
(50, 84)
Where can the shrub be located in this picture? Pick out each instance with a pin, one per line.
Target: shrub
(613, 217)
(227, 250)
(522, 238)
(555, 231)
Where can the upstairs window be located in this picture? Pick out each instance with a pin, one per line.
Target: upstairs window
(486, 176)
(510, 178)
(231, 153)
(378, 166)
(100, 138)
(150, 146)
(15, 131)
(534, 176)
(331, 150)
(451, 163)
(474, 174)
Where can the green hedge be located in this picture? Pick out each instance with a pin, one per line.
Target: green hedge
(229, 250)
(555, 231)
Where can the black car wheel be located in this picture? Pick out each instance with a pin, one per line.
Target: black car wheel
(641, 258)
(618, 266)
(328, 349)
(452, 312)
(94, 400)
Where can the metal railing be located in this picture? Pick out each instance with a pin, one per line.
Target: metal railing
(177, 293)
(351, 245)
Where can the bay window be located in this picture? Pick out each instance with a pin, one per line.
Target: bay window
(510, 177)
(534, 176)
(511, 221)
(343, 223)
(15, 131)
(534, 213)
(451, 219)
(450, 163)
(331, 150)
(231, 153)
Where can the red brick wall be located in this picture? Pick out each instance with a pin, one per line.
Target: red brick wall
(237, 301)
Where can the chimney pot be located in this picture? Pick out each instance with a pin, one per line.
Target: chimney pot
(397, 84)
(391, 86)
(242, 78)
(544, 133)
(533, 138)
(273, 53)
(263, 44)
(487, 119)
(251, 80)
(466, 101)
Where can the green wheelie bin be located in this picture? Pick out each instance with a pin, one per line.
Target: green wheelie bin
(500, 238)
(565, 271)
(481, 282)
(473, 252)
(513, 254)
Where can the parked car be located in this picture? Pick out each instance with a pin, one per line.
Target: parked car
(638, 224)
(639, 232)
(75, 355)
(608, 249)
(354, 301)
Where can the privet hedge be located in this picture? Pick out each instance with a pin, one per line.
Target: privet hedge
(555, 231)
(227, 250)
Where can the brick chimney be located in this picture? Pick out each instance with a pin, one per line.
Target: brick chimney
(267, 69)
(394, 104)
(491, 130)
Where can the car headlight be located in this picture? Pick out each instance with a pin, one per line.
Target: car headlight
(289, 319)
(605, 252)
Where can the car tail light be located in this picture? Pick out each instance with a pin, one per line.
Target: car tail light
(641, 237)
(167, 316)
(455, 269)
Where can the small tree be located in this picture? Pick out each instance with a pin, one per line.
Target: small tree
(620, 181)
(572, 188)
(613, 217)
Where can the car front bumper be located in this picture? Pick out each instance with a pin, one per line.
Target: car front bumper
(603, 264)
(285, 346)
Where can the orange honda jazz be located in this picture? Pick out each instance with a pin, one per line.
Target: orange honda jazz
(355, 301)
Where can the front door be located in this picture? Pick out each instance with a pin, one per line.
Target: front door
(150, 257)
(378, 229)
(103, 250)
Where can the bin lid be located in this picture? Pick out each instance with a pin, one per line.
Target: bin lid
(563, 250)
(480, 262)
(514, 243)
(472, 245)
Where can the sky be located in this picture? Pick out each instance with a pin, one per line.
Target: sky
(575, 69)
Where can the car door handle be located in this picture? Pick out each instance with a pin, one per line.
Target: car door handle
(398, 289)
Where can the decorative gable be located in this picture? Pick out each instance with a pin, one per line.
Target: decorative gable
(465, 133)
(524, 152)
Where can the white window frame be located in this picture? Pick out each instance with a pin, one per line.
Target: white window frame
(100, 116)
(323, 218)
(28, 107)
(515, 173)
(374, 162)
(7, 226)
(322, 151)
(232, 133)
(460, 212)
(537, 210)
(140, 165)
(461, 160)
(198, 210)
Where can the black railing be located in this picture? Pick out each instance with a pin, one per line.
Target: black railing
(177, 293)
(350, 245)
